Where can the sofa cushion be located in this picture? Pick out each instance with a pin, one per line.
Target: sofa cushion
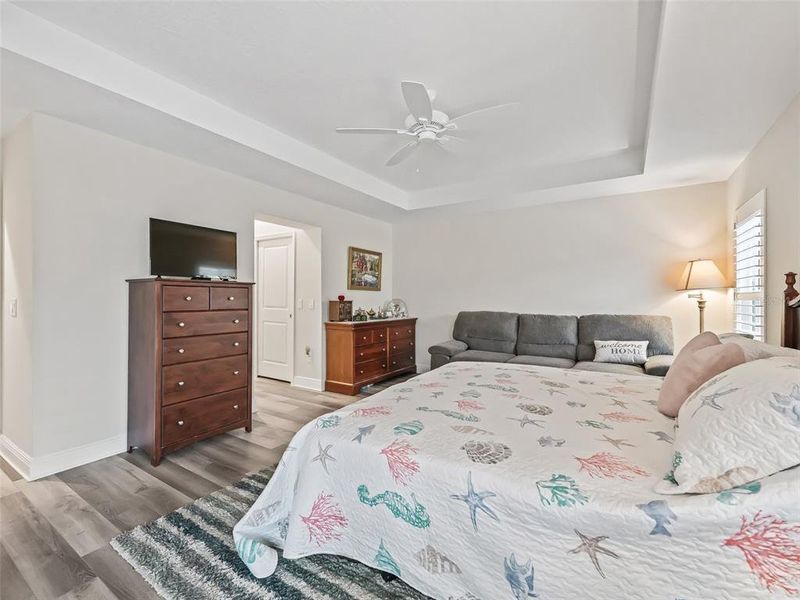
(548, 335)
(656, 329)
(609, 368)
(543, 361)
(482, 356)
(487, 330)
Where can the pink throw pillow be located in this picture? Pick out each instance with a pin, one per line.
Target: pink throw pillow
(701, 359)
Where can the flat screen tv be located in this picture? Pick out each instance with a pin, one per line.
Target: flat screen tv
(181, 250)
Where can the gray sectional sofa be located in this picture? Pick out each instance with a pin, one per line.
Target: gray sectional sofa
(554, 340)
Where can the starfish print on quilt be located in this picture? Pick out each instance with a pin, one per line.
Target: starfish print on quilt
(324, 456)
(476, 501)
(592, 547)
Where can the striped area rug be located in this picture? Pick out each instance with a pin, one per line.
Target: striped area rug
(189, 555)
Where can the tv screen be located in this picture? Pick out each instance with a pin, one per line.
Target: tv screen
(181, 250)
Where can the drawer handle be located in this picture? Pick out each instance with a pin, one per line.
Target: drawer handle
(361, 354)
(236, 321)
(411, 343)
(231, 298)
(181, 324)
(397, 333)
(394, 362)
(181, 350)
(394, 347)
(383, 366)
(236, 344)
(361, 372)
(410, 358)
(236, 372)
(180, 423)
(381, 335)
(181, 383)
(363, 338)
(188, 298)
(236, 407)
(409, 331)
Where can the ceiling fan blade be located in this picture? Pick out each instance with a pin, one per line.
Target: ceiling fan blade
(402, 154)
(417, 100)
(483, 112)
(369, 130)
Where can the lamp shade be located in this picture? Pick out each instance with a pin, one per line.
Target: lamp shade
(701, 274)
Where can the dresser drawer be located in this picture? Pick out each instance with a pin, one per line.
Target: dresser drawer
(399, 332)
(188, 419)
(370, 369)
(192, 380)
(227, 298)
(177, 297)
(180, 350)
(371, 352)
(400, 361)
(401, 346)
(179, 324)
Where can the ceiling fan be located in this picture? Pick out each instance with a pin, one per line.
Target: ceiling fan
(425, 125)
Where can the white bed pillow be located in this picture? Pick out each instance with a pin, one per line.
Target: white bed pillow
(741, 425)
(620, 352)
(755, 350)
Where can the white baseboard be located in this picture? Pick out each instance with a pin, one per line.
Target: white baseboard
(308, 383)
(15, 456)
(41, 466)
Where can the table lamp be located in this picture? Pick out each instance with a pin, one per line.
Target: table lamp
(701, 274)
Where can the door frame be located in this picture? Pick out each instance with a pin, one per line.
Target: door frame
(259, 286)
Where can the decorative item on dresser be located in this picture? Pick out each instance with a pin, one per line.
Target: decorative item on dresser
(188, 362)
(791, 313)
(340, 310)
(366, 352)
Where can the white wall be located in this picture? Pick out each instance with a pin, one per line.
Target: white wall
(774, 165)
(620, 254)
(94, 194)
(17, 382)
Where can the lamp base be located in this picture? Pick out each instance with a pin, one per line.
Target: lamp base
(701, 307)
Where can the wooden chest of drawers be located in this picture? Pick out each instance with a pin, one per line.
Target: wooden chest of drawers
(188, 362)
(361, 353)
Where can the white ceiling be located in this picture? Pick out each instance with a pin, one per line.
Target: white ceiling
(608, 90)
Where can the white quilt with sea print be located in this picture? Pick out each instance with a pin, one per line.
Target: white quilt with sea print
(493, 481)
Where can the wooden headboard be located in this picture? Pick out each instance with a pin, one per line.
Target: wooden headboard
(791, 314)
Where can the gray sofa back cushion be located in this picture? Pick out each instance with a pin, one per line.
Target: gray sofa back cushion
(555, 336)
(657, 330)
(487, 330)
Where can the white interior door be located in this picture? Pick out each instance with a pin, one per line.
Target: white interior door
(275, 290)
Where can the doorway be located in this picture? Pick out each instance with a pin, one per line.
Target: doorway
(275, 291)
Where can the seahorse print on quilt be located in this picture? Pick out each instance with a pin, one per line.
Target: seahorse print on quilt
(416, 515)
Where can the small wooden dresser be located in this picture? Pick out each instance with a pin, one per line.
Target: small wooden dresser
(188, 362)
(365, 352)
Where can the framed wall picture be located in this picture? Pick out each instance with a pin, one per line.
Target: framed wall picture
(363, 269)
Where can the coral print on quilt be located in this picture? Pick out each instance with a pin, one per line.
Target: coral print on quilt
(491, 481)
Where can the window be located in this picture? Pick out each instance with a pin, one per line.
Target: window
(749, 257)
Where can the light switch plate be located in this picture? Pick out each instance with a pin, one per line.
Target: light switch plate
(299, 304)
(311, 304)
(13, 307)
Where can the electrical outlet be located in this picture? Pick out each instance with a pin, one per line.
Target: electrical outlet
(13, 307)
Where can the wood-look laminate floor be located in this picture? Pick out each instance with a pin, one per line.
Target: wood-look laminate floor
(55, 532)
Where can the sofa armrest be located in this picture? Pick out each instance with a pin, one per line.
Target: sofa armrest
(658, 364)
(449, 348)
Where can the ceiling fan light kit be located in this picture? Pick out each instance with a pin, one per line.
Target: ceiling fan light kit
(425, 124)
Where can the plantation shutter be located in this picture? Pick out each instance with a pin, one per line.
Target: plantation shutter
(749, 260)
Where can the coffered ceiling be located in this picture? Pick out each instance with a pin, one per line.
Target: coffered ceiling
(612, 95)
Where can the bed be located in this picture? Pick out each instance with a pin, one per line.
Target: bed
(489, 481)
